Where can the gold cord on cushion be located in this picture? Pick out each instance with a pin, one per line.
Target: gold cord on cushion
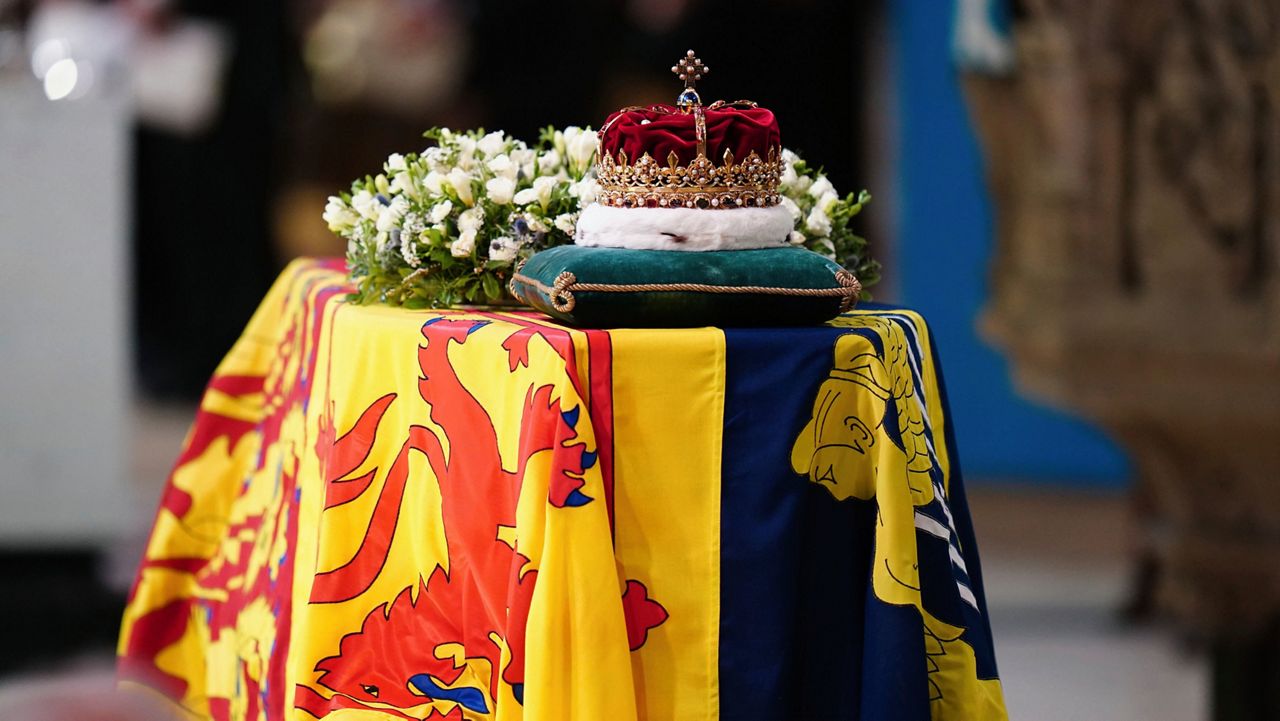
(511, 284)
(561, 291)
(850, 282)
(561, 297)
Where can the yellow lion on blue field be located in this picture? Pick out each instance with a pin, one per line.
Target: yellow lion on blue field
(871, 437)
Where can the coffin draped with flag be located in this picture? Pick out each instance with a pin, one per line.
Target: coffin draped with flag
(468, 515)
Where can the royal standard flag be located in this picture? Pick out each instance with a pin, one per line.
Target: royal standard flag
(382, 513)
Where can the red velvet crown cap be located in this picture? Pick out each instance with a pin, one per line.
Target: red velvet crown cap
(740, 129)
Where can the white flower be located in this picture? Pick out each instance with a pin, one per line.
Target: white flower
(549, 162)
(412, 223)
(409, 251)
(502, 248)
(802, 183)
(466, 152)
(826, 247)
(827, 200)
(471, 220)
(586, 190)
(821, 186)
(536, 224)
(338, 215)
(366, 205)
(568, 222)
(818, 223)
(581, 147)
(460, 181)
(434, 182)
(464, 245)
(435, 157)
(788, 178)
(440, 211)
(501, 190)
(395, 163)
(502, 166)
(403, 183)
(540, 192)
(391, 214)
(492, 144)
(790, 205)
(796, 238)
(380, 240)
(525, 161)
(789, 157)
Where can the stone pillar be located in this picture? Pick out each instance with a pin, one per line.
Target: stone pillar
(1134, 160)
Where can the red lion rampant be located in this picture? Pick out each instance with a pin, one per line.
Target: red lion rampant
(482, 598)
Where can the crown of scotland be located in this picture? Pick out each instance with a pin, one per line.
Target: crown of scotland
(718, 156)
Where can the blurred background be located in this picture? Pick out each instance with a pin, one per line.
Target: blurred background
(1079, 196)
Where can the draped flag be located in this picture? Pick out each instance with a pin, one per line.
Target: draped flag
(474, 515)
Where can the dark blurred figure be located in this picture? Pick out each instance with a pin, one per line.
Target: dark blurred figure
(536, 63)
(203, 254)
(54, 606)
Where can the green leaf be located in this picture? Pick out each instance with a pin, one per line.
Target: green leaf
(492, 288)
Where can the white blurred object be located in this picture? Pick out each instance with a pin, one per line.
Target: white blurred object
(69, 42)
(177, 70)
(64, 329)
(61, 78)
(177, 75)
(47, 53)
(981, 36)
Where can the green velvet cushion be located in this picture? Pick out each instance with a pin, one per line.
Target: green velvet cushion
(776, 286)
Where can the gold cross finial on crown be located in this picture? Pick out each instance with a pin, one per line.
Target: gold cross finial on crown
(690, 69)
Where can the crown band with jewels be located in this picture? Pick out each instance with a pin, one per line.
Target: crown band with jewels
(751, 183)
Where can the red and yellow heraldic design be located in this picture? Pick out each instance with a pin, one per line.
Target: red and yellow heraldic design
(393, 524)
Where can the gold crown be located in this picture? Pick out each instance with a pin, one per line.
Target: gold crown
(753, 182)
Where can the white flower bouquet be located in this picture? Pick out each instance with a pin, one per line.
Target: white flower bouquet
(822, 218)
(448, 226)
